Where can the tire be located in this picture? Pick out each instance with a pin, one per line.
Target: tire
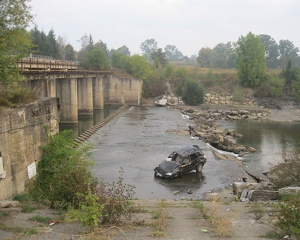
(199, 167)
(155, 174)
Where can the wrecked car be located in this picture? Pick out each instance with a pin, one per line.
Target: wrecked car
(181, 162)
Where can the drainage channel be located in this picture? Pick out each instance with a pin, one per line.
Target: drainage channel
(88, 133)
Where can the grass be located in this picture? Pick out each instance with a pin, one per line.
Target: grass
(221, 226)
(258, 209)
(3, 214)
(27, 208)
(160, 217)
(40, 219)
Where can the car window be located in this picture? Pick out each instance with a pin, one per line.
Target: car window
(178, 159)
(193, 156)
(186, 161)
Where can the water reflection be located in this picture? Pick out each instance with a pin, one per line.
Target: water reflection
(269, 138)
(86, 122)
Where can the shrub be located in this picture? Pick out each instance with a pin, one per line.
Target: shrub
(64, 171)
(115, 196)
(89, 211)
(210, 78)
(287, 171)
(192, 92)
(289, 215)
(238, 95)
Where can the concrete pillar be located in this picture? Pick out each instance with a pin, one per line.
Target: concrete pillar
(66, 91)
(51, 87)
(39, 87)
(85, 96)
(98, 98)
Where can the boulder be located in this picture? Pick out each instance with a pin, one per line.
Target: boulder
(262, 195)
(238, 187)
(251, 149)
(289, 191)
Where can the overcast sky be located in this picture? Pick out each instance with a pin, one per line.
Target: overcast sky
(187, 24)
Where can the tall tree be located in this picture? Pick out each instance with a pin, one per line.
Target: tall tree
(52, 45)
(96, 59)
(205, 57)
(160, 57)
(15, 41)
(172, 53)
(139, 67)
(102, 45)
(250, 59)
(124, 50)
(69, 52)
(272, 51)
(288, 51)
(61, 41)
(148, 47)
(222, 57)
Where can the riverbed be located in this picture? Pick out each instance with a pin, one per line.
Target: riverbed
(138, 139)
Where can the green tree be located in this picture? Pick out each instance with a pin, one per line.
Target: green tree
(69, 52)
(96, 60)
(205, 57)
(192, 92)
(139, 67)
(15, 43)
(160, 57)
(120, 60)
(172, 53)
(289, 74)
(222, 57)
(124, 50)
(52, 45)
(288, 51)
(250, 59)
(148, 47)
(272, 51)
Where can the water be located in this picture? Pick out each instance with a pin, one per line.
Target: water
(271, 139)
(86, 122)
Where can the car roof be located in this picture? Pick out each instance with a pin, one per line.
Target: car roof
(188, 150)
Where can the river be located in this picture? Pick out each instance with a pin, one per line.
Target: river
(271, 139)
(139, 138)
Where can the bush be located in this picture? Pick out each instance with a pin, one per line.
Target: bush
(64, 171)
(238, 95)
(289, 215)
(192, 92)
(287, 171)
(210, 78)
(115, 196)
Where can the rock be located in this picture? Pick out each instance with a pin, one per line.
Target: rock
(238, 187)
(228, 141)
(4, 204)
(264, 195)
(251, 149)
(289, 191)
(241, 154)
(219, 156)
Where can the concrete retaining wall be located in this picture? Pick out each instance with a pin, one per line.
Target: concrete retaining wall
(21, 133)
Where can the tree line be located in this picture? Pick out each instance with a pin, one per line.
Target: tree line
(251, 55)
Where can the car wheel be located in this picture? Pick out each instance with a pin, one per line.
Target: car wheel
(199, 167)
(155, 174)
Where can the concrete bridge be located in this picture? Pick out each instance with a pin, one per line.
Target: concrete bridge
(80, 91)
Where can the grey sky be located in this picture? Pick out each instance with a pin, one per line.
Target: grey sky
(187, 24)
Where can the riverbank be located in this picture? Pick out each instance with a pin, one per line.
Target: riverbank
(183, 219)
